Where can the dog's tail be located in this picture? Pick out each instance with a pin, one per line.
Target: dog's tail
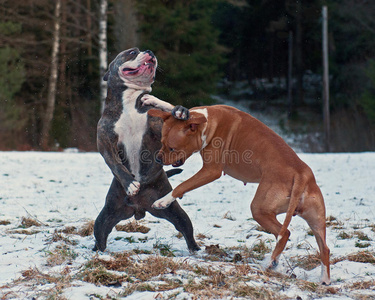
(173, 172)
(299, 185)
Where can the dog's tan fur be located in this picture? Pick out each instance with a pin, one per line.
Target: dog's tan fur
(239, 145)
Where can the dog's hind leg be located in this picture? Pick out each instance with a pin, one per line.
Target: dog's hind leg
(269, 201)
(314, 214)
(179, 218)
(113, 212)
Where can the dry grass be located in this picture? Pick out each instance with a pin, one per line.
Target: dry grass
(228, 216)
(4, 222)
(132, 227)
(101, 276)
(344, 235)
(331, 221)
(87, 229)
(257, 252)
(61, 254)
(361, 236)
(201, 236)
(251, 292)
(24, 231)
(215, 251)
(142, 271)
(307, 262)
(28, 222)
(57, 237)
(59, 282)
(363, 285)
(231, 277)
(69, 230)
(362, 257)
(317, 289)
(202, 281)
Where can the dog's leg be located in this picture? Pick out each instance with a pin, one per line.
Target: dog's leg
(314, 214)
(269, 201)
(178, 217)
(207, 174)
(148, 99)
(112, 158)
(113, 212)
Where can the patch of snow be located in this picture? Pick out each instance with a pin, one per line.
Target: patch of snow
(68, 189)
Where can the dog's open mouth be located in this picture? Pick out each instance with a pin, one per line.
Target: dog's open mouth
(147, 65)
(178, 163)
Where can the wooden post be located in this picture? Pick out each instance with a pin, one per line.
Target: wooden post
(326, 118)
(290, 74)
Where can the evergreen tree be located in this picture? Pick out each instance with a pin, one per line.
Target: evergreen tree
(183, 38)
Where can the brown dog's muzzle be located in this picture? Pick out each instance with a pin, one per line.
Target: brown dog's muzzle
(159, 158)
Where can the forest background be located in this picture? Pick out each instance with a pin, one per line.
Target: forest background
(207, 49)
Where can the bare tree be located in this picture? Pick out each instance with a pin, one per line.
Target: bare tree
(51, 97)
(103, 50)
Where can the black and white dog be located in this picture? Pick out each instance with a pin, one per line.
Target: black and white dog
(129, 140)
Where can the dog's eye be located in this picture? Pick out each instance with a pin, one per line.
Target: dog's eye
(132, 52)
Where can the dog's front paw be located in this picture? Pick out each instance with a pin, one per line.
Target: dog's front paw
(133, 188)
(164, 202)
(156, 102)
(180, 112)
(149, 100)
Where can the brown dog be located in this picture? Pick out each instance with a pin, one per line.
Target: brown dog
(239, 145)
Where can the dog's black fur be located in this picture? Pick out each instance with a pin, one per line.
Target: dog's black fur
(153, 180)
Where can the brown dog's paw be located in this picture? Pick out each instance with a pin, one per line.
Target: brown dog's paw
(164, 202)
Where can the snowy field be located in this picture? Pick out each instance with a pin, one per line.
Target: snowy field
(47, 199)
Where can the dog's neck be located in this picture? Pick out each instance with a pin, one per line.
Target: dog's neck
(137, 87)
(130, 96)
(119, 94)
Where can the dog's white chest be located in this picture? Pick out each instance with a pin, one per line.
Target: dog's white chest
(130, 129)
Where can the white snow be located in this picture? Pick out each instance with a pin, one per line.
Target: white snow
(67, 189)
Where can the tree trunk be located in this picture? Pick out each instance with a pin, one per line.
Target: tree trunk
(126, 25)
(89, 38)
(325, 79)
(299, 51)
(290, 74)
(103, 50)
(62, 84)
(51, 98)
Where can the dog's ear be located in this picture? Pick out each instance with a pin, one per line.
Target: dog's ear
(194, 121)
(106, 75)
(159, 113)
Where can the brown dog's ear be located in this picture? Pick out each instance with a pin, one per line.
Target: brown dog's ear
(159, 113)
(194, 121)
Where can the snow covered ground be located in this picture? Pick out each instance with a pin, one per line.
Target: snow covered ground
(67, 190)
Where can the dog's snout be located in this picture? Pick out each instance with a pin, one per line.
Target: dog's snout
(149, 52)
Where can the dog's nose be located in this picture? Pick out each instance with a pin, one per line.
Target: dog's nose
(149, 52)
